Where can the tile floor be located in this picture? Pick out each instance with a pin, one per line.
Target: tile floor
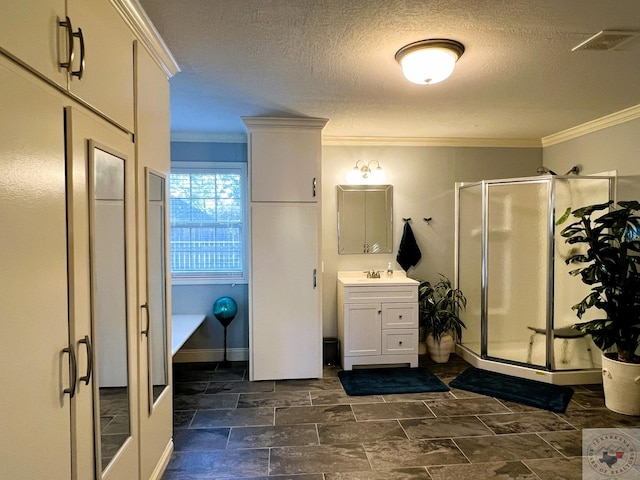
(226, 427)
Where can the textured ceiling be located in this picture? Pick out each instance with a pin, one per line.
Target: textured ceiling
(517, 79)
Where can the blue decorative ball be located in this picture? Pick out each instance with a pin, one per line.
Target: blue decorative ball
(225, 309)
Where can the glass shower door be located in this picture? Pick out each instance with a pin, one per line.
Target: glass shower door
(517, 269)
(470, 262)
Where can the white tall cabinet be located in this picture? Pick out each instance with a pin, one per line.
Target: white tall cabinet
(69, 410)
(285, 318)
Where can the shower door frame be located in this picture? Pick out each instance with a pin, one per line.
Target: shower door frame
(550, 180)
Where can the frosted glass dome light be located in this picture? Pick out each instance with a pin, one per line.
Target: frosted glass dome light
(429, 61)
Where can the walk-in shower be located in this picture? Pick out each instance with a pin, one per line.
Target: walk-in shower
(510, 265)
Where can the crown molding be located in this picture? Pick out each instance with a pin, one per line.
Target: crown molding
(432, 142)
(616, 118)
(137, 19)
(284, 122)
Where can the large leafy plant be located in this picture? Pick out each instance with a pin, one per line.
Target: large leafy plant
(610, 264)
(439, 305)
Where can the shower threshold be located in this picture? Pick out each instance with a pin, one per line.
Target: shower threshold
(558, 377)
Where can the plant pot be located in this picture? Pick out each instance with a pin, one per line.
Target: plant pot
(621, 384)
(440, 351)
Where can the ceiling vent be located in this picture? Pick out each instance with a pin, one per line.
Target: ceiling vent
(606, 40)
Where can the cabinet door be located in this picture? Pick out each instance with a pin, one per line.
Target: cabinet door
(285, 322)
(152, 170)
(36, 414)
(107, 156)
(362, 329)
(29, 31)
(285, 165)
(107, 80)
(399, 315)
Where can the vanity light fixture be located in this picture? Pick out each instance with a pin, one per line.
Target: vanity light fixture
(429, 61)
(366, 173)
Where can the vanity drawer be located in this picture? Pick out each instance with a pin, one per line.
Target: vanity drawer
(399, 341)
(399, 315)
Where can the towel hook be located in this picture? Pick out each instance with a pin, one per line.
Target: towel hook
(427, 220)
(407, 219)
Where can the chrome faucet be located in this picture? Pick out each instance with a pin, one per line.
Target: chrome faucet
(372, 273)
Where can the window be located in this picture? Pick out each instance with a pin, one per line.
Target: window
(208, 222)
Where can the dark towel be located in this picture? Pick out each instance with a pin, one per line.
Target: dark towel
(408, 251)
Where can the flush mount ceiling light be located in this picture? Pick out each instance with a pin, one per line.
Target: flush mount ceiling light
(429, 61)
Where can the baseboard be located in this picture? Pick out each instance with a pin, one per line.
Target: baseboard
(163, 462)
(210, 355)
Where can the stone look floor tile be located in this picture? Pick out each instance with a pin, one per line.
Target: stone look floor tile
(357, 432)
(444, 427)
(388, 455)
(276, 399)
(310, 384)
(339, 437)
(219, 463)
(541, 421)
(466, 406)
(498, 448)
(417, 473)
(314, 414)
(568, 443)
(483, 471)
(273, 436)
(240, 387)
(202, 400)
(323, 458)
(388, 411)
(200, 439)
(333, 397)
(242, 417)
(556, 469)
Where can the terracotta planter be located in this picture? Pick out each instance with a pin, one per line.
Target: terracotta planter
(621, 384)
(440, 351)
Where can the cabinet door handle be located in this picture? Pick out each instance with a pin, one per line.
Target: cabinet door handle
(400, 342)
(67, 24)
(145, 332)
(400, 317)
(80, 72)
(379, 312)
(87, 343)
(315, 277)
(73, 371)
(314, 186)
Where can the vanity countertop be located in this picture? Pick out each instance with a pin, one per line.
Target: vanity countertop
(357, 277)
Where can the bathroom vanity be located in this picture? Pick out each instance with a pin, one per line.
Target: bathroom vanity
(377, 319)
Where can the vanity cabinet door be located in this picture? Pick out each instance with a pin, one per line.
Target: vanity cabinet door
(362, 329)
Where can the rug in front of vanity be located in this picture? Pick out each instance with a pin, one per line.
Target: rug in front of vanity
(387, 381)
(520, 390)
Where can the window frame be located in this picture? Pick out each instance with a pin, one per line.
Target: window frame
(190, 167)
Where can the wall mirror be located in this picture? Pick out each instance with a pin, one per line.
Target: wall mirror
(156, 326)
(109, 302)
(365, 219)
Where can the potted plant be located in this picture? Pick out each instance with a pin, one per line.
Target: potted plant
(438, 306)
(610, 265)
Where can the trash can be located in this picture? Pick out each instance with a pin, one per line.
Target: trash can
(331, 351)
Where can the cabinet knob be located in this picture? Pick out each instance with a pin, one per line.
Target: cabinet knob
(379, 312)
(400, 317)
(400, 342)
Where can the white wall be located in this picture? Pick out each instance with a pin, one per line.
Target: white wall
(423, 180)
